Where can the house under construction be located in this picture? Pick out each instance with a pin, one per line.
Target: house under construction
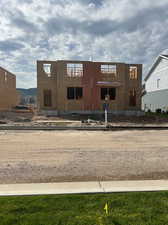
(84, 87)
(8, 92)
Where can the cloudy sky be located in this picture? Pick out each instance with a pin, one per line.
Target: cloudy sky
(131, 31)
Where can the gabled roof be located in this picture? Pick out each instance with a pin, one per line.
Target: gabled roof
(163, 55)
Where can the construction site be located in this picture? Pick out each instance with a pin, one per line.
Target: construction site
(83, 112)
(83, 129)
(39, 149)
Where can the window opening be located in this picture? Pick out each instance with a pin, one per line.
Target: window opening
(133, 72)
(74, 70)
(79, 93)
(158, 83)
(47, 69)
(108, 69)
(74, 93)
(47, 98)
(132, 97)
(110, 92)
(70, 93)
(6, 76)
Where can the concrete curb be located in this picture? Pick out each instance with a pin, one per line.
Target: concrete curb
(83, 187)
(111, 128)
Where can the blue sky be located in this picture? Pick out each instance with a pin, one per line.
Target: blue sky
(130, 31)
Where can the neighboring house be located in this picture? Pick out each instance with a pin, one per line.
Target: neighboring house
(82, 87)
(28, 100)
(156, 85)
(28, 96)
(8, 93)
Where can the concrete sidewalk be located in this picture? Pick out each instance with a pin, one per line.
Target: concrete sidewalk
(82, 187)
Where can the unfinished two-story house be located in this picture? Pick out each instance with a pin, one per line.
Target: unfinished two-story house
(84, 87)
(8, 92)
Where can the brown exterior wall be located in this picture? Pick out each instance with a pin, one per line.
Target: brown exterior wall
(8, 93)
(91, 100)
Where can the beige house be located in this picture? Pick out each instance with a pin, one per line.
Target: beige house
(8, 92)
(84, 86)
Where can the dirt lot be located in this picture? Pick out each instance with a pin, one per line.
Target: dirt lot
(53, 156)
(33, 119)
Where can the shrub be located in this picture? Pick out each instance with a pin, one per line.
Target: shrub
(158, 111)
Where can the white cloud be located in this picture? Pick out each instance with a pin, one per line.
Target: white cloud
(128, 31)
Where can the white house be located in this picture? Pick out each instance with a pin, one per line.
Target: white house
(156, 85)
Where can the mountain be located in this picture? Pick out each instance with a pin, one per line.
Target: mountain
(29, 91)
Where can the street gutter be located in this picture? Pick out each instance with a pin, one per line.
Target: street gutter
(98, 128)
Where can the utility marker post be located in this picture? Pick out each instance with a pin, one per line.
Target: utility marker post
(106, 106)
(105, 112)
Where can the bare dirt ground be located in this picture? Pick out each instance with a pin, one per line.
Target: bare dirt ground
(56, 156)
(33, 119)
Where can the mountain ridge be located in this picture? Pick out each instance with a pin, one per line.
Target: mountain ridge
(28, 91)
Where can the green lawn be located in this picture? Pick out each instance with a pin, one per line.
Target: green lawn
(125, 209)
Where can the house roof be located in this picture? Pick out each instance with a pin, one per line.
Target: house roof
(163, 55)
(9, 73)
